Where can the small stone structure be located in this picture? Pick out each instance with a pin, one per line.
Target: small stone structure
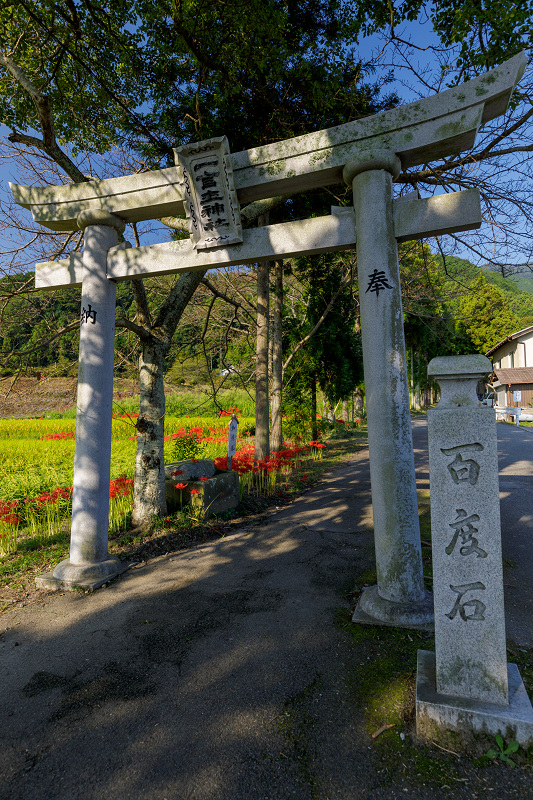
(467, 689)
(180, 471)
(220, 492)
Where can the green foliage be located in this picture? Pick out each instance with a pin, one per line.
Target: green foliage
(476, 308)
(185, 447)
(428, 323)
(503, 752)
(201, 69)
(28, 321)
(332, 357)
(202, 402)
(485, 34)
(488, 33)
(486, 315)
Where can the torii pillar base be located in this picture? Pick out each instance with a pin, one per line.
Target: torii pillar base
(375, 610)
(89, 577)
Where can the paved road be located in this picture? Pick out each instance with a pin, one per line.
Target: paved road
(217, 673)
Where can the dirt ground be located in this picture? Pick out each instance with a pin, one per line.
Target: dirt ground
(25, 396)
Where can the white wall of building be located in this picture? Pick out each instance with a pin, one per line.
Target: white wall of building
(517, 353)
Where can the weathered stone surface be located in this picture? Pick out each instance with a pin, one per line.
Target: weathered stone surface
(189, 470)
(209, 195)
(372, 608)
(157, 193)
(427, 129)
(92, 455)
(66, 272)
(413, 219)
(435, 216)
(71, 577)
(400, 580)
(317, 159)
(466, 539)
(470, 725)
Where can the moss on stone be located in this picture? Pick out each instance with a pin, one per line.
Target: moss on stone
(273, 168)
(321, 155)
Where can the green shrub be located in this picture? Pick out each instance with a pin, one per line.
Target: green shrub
(185, 447)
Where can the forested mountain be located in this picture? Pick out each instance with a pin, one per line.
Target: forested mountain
(450, 307)
(522, 280)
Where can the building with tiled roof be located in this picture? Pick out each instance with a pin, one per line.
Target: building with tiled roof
(512, 362)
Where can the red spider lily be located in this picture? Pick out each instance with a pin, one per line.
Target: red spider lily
(229, 412)
(12, 519)
(203, 478)
(305, 476)
(180, 485)
(120, 486)
(176, 472)
(63, 435)
(46, 498)
(195, 491)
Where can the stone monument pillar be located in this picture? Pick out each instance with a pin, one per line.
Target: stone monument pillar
(467, 687)
(89, 563)
(399, 597)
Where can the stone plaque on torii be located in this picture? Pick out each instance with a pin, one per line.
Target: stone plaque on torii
(366, 154)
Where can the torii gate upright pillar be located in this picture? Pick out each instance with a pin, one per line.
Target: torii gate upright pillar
(89, 563)
(399, 597)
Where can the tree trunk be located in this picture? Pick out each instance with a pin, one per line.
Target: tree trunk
(358, 403)
(345, 418)
(412, 383)
(277, 361)
(149, 484)
(262, 448)
(150, 495)
(417, 386)
(314, 428)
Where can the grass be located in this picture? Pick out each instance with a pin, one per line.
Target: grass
(37, 464)
(187, 402)
(30, 469)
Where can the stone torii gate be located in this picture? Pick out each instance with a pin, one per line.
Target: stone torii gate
(208, 183)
